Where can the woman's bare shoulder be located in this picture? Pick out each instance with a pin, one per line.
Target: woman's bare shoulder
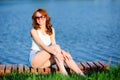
(33, 30)
(53, 29)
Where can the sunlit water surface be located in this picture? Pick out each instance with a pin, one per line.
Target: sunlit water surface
(89, 30)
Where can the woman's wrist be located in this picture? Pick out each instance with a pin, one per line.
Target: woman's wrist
(55, 53)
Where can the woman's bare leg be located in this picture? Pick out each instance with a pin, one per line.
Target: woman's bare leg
(71, 64)
(43, 59)
(60, 64)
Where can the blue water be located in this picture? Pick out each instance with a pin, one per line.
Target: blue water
(88, 29)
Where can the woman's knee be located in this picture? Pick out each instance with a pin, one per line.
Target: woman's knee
(40, 58)
(55, 46)
(34, 65)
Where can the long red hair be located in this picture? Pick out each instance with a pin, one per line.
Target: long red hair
(48, 19)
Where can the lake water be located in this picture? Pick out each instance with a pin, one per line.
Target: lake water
(88, 29)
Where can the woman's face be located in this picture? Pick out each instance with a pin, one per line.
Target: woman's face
(41, 19)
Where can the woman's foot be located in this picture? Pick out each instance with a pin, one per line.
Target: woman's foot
(64, 72)
(82, 74)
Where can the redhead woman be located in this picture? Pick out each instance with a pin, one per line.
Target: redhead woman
(44, 50)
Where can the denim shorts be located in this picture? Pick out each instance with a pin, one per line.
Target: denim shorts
(32, 55)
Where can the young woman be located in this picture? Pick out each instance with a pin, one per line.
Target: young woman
(44, 50)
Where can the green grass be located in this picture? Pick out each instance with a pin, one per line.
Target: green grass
(112, 74)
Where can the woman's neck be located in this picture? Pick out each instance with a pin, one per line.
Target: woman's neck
(43, 28)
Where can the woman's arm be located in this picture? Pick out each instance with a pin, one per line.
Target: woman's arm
(52, 37)
(40, 43)
(56, 47)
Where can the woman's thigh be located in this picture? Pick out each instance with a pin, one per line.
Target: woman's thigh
(42, 59)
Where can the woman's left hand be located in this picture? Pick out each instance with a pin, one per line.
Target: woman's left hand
(57, 48)
(66, 55)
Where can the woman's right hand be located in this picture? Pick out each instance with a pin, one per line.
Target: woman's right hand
(55, 49)
(59, 56)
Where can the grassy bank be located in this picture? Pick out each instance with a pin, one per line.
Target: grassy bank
(112, 74)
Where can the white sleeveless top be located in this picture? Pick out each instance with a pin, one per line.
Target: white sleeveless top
(45, 39)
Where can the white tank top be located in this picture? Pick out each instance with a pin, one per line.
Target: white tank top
(45, 39)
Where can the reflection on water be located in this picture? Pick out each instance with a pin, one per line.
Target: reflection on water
(89, 30)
